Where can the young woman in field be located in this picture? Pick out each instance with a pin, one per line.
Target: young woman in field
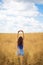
(20, 43)
(20, 50)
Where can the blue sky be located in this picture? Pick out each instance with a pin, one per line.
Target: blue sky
(21, 14)
(40, 7)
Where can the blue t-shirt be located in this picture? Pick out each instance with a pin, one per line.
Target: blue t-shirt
(20, 46)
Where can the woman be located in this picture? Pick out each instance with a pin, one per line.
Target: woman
(20, 50)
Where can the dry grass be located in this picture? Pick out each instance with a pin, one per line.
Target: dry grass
(33, 48)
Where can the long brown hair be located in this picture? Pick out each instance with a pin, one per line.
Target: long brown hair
(20, 41)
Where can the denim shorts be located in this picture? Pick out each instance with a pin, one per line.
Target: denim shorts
(20, 52)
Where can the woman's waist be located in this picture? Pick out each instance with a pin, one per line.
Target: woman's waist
(21, 47)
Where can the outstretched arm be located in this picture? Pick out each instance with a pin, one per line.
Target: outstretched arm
(18, 33)
(22, 33)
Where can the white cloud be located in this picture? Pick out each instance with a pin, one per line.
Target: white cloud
(20, 8)
(35, 1)
(19, 15)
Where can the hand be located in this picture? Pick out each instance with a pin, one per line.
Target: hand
(20, 31)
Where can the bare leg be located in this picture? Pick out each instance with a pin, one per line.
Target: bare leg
(21, 60)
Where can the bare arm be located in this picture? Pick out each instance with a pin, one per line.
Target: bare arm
(18, 35)
(22, 33)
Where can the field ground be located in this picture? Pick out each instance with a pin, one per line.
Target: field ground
(33, 48)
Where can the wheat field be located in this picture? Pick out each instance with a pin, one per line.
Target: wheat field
(33, 49)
